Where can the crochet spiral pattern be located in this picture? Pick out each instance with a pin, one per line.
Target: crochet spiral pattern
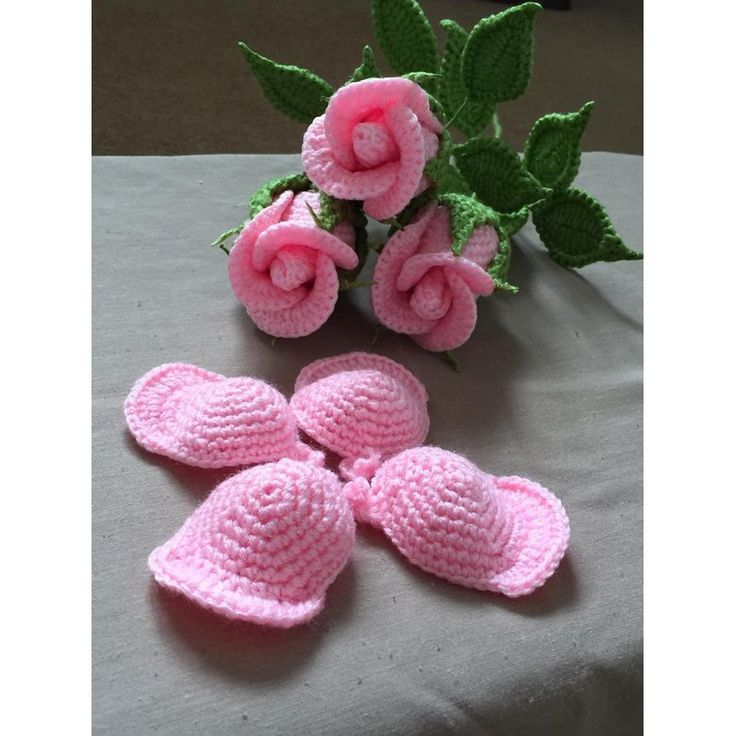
(202, 418)
(283, 267)
(268, 542)
(504, 535)
(264, 547)
(362, 407)
(422, 289)
(372, 144)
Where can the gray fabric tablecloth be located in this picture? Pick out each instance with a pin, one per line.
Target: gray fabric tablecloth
(550, 388)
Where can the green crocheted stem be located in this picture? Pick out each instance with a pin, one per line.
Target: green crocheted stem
(469, 116)
(452, 360)
(576, 230)
(497, 129)
(367, 68)
(296, 92)
(271, 190)
(497, 175)
(497, 58)
(552, 152)
(405, 36)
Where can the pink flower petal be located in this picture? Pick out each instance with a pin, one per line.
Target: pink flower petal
(431, 143)
(284, 234)
(408, 136)
(250, 285)
(345, 232)
(459, 322)
(307, 315)
(256, 289)
(424, 183)
(482, 246)
(417, 265)
(475, 277)
(437, 237)
(355, 102)
(299, 212)
(328, 174)
(373, 145)
(292, 266)
(431, 298)
(390, 305)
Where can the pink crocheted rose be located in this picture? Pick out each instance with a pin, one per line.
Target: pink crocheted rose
(283, 267)
(372, 144)
(422, 289)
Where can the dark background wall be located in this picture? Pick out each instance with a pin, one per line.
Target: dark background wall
(168, 77)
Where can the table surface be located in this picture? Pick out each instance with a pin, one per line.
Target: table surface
(550, 388)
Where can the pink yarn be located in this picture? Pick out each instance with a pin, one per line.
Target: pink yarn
(422, 289)
(283, 267)
(362, 407)
(505, 535)
(264, 546)
(205, 419)
(372, 144)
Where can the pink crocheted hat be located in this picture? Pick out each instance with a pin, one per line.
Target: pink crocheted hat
(505, 535)
(362, 407)
(264, 547)
(205, 419)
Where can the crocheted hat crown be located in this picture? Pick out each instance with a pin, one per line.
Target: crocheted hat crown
(208, 420)
(361, 406)
(448, 517)
(264, 546)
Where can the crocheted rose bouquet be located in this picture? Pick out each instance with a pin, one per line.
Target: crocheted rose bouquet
(380, 147)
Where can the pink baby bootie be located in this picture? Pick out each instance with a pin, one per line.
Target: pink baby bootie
(361, 406)
(205, 419)
(264, 547)
(444, 514)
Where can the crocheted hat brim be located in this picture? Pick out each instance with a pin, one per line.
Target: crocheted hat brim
(358, 362)
(541, 534)
(186, 576)
(147, 405)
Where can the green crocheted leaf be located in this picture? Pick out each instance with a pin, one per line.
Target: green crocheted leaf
(576, 230)
(297, 92)
(552, 152)
(497, 60)
(367, 68)
(405, 36)
(466, 214)
(497, 175)
(268, 192)
(222, 238)
(468, 116)
(512, 222)
(499, 268)
(445, 177)
(426, 80)
(331, 211)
